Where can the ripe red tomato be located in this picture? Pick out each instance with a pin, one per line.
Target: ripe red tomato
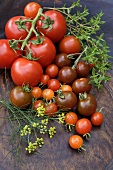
(87, 105)
(51, 70)
(47, 94)
(37, 103)
(20, 98)
(7, 54)
(58, 30)
(66, 87)
(13, 32)
(44, 53)
(44, 79)
(82, 69)
(53, 84)
(36, 92)
(83, 126)
(75, 142)
(24, 71)
(70, 45)
(62, 60)
(31, 9)
(97, 118)
(71, 118)
(51, 109)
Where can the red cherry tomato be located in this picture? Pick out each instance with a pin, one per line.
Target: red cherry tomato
(52, 70)
(44, 79)
(51, 109)
(37, 103)
(36, 92)
(48, 94)
(53, 84)
(71, 118)
(97, 118)
(75, 142)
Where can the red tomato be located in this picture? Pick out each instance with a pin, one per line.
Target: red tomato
(31, 9)
(52, 70)
(75, 142)
(44, 53)
(57, 28)
(24, 71)
(71, 118)
(37, 103)
(51, 109)
(7, 54)
(97, 118)
(48, 94)
(53, 84)
(44, 79)
(70, 45)
(13, 32)
(36, 92)
(83, 126)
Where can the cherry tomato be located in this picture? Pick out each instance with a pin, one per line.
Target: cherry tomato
(66, 87)
(57, 28)
(44, 79)
(81, 85)
(51, 109)
(13, 32)
(70, 45)
(97, 118)
(53, 84)
(87, 105)
(83, 126)
(67, 75)
(62, 60)
(24, 71)
(36, 92)
(71, 118)
(75, 142)
(20, 98)
(7, 54)
(82, 69)
(44, 52)
(31, 9)
(51, 70)
(66, 100)
(48, 94)
(37, 103)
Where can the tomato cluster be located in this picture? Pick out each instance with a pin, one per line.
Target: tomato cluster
(46, 75)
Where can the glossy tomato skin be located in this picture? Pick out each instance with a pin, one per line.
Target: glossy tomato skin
(71, 118)
(58, 27)
(38, 103)
(53, 84)
(67, 75)
(20, 98)
(82, 69)
(52, 70)
(70, 45)
(36, 92)
(7, 54)
(81, 85)
(83, 126)
(44, 79)
(24, 71)
(62, 60)
(12, 31)
(97, 118)
(44, 53)
(87, 106)
(51, 109)
(67, 100)
(66, 87)
(75, 141)
(47, 94)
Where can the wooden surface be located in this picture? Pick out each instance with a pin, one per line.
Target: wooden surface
(56, 154)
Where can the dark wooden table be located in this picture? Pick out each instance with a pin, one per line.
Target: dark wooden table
(56, 154)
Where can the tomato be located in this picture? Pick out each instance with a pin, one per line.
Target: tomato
(83, 126)
(44, 53)
(24, 71)
(75, 142)
(13, 32)
(97, 118)
(67, 100)
(71, 118)
(31, 9)
(81, 85)
(48, 94)
(66, 87)
(44, 79)
(20, 98)
(70, 45)
(87, 105)
(37, 103)
(51, 70)
(55, 27)
(53, 84)
(7, 54)
(36, 92)
(62, 60)
(82, 69)
(67, 75)
(51, 109)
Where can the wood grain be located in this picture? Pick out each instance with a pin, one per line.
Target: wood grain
(56, 154)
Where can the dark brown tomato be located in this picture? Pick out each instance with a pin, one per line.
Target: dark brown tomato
(87, 106)
(62, 60)
(67, 100)
(81, 85)
(67, 75)
(20, 98)
(82, 69)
